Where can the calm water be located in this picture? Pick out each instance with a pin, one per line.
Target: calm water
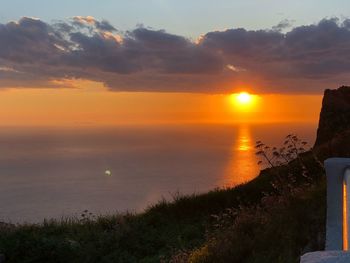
(50, 173)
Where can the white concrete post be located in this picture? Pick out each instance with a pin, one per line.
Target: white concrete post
(338, 185)
(346, 212)
(338, 214)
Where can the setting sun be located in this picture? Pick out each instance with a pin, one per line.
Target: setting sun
(244, 98)
(243, 101)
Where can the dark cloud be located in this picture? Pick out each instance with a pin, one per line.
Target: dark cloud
(304, 59)
(167, 53)
(27, 40)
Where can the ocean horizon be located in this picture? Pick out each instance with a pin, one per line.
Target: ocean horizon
(52, 173)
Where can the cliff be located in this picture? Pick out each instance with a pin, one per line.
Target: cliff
(333, 133)
(335, 114)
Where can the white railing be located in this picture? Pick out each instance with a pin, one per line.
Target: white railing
(338, 197)
(338, 215)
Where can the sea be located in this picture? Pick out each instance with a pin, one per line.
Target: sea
(55, 173)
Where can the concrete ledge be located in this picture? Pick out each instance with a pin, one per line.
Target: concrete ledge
(326, 257)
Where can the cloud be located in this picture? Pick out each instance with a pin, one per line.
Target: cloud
(304, 59)
(234, 68)
(91, 22)
(282, 25)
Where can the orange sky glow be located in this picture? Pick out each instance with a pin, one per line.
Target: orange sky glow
(95, 105)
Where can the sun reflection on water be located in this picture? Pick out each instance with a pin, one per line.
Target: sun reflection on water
(242, 166)
(244, 140)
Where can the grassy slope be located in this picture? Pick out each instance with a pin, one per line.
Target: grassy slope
(278, 232)
(161, 230)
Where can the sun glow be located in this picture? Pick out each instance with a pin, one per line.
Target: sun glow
(243, 101)
(244, 98)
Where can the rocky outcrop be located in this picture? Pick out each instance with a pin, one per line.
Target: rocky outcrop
(333, 133)
(335, 115)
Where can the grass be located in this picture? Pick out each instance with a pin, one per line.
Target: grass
(183, 230)
(278, 231)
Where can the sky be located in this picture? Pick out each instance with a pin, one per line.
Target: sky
(188, 18)
(108, 61)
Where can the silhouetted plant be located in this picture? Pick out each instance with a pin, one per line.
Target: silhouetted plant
(291, 149)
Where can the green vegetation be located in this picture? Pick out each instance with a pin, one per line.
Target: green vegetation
(273, 218)
(277, 230)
